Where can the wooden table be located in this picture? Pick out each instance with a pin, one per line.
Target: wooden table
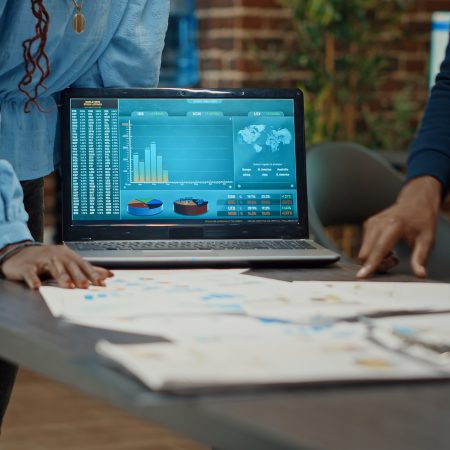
(403, 415)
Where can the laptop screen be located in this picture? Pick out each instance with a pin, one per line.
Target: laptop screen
(181, 160)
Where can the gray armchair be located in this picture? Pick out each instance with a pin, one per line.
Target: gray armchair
(347, 183)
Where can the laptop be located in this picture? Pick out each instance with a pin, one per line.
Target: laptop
(157, 177)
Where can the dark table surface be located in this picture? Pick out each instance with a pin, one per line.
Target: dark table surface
(400, 415)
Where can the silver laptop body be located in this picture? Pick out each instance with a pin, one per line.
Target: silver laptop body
(157, 177)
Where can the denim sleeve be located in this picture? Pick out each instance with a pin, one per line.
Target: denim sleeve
(13, 218)
(430, 150)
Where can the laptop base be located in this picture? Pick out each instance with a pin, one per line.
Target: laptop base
(316, 255)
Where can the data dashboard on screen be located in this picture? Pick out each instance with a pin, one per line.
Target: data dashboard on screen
(167, 160)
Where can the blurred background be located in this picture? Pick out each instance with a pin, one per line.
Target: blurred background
(365, 66)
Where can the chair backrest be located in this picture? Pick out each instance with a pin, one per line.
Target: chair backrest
(347, 183)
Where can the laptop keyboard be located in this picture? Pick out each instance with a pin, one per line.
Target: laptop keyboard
(195, 245)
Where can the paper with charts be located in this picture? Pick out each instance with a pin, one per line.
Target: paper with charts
(223, 328)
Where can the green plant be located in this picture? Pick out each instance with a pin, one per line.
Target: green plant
(341, 44)
(392, 130)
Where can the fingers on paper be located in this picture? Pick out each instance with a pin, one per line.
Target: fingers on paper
(79, 278)
(96, 275)
(67, 268)
(58, 271)
(81, 272)
(380, 236)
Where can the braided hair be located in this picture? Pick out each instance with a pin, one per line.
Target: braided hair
(35, 59)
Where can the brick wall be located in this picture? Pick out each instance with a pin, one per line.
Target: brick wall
(230, 30)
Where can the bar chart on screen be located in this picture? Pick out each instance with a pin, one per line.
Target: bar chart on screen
(150, 170)
(172, 151)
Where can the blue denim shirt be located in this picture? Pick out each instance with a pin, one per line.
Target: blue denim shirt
(120, 47)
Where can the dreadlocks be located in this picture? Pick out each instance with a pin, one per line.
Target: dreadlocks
(35, 59)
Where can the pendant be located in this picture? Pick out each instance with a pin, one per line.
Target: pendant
(79, 23)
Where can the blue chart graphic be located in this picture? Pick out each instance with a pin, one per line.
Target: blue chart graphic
(265, 151)
(170, 151)
(145, 207)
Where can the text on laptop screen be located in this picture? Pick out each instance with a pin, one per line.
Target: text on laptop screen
(171, 160)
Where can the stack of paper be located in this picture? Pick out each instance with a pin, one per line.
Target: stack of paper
(226, 328)
(339, 352)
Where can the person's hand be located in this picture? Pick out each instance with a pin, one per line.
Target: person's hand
(58, 261)
(413, 217)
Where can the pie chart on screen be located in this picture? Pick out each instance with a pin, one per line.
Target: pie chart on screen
(145, 207)
(190, 206)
